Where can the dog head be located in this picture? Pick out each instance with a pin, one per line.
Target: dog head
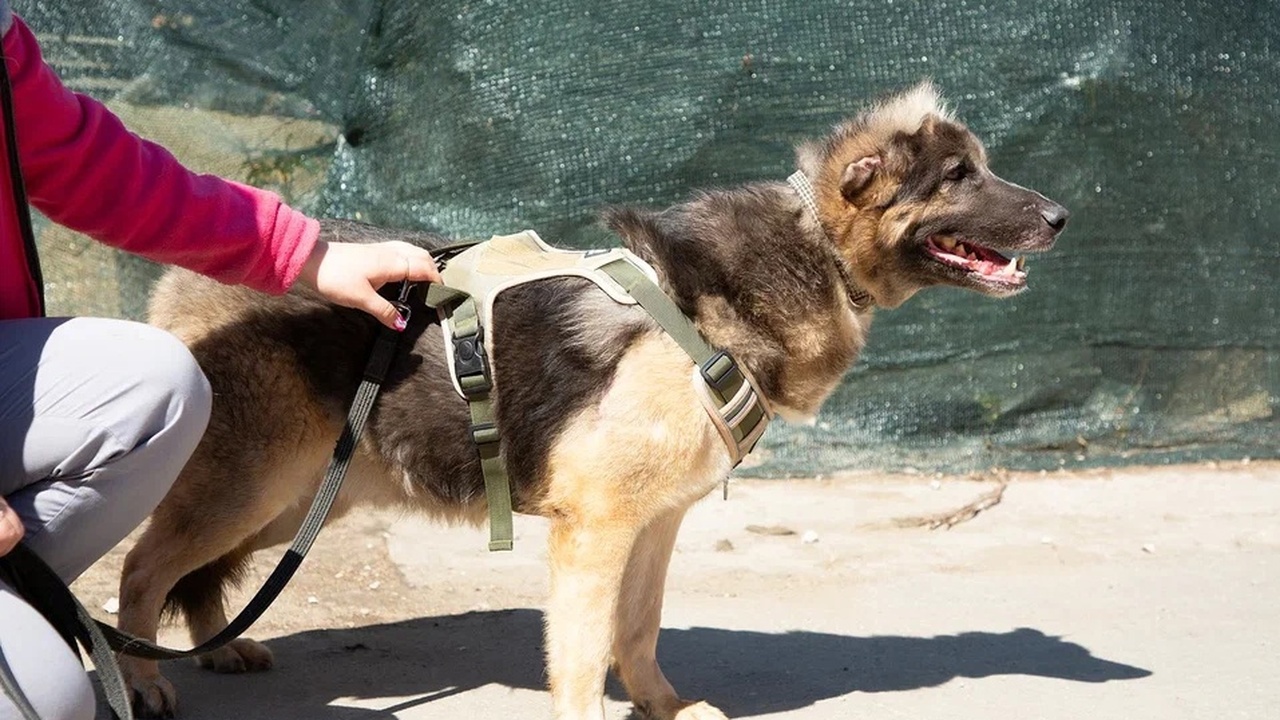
(905, 193)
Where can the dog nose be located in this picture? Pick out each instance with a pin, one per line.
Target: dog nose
(1056, 216)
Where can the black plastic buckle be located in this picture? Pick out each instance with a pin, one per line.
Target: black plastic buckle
(470, 363)
(724, 380)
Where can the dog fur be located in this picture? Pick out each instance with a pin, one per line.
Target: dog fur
(602, 431)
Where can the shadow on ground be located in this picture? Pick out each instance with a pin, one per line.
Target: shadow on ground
(745, 673)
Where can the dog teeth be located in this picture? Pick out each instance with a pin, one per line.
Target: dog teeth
(1022, 262)
(947, 243)
(1012, 267)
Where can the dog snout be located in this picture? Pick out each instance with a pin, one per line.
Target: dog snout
(1055, 215)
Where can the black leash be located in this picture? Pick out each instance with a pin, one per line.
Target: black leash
(45, 591)
(33, 580)
(375, 372)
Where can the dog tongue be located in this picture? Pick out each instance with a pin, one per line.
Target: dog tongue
(982, 260)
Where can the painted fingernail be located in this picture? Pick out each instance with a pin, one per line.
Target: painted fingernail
(401, 323)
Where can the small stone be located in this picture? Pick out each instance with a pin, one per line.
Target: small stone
(810, 537)
(1046, 540)
(375, 584)
(1148, 548)
(936, 484)
(111, 606)
(724, 545)
(312, 599)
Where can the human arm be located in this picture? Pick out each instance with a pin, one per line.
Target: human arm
(86, 171)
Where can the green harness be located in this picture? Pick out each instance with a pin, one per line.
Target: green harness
(474, 278)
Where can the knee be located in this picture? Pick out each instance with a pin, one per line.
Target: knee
(179, 389)
(68, 696)
(46, 670)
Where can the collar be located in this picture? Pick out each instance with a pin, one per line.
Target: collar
(860, 299)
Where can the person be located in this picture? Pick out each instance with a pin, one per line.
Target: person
(98, 416)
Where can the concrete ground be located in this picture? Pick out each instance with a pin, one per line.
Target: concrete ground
(1130, 594)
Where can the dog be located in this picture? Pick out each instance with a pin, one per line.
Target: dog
(603, 432)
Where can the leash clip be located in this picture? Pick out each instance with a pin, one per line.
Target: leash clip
(401, 303)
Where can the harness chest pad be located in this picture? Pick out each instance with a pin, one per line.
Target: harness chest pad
(475, 277)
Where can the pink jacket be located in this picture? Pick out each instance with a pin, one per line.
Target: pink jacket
(84, 170)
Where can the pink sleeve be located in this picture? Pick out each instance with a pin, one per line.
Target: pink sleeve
(86, 171)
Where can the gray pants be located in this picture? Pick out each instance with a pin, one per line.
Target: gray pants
(97, 417)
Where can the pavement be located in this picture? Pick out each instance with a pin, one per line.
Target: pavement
(1135, 594)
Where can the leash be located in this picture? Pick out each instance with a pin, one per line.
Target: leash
(46, 592)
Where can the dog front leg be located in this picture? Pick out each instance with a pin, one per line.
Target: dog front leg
(639, 618)
(587, 563)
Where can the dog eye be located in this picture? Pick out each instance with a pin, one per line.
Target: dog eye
(957, 173)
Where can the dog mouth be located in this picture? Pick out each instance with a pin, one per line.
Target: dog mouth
(977, 262)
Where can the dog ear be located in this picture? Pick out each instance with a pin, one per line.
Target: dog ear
(856, 176)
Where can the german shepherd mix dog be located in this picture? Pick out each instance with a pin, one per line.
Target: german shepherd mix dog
(603, 432)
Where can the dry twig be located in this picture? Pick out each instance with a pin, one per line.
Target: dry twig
(952, 518)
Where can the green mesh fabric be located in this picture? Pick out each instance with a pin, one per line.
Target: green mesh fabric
(1149, 335)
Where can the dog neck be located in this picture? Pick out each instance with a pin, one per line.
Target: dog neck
(859, 298)
(757, 283)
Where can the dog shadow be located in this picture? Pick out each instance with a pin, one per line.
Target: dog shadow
(745, 673)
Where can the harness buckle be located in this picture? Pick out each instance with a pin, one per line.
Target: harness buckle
(720, 371)
(470, 363)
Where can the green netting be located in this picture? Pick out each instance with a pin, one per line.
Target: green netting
(1150, 335)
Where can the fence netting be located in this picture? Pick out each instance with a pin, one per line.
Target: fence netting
(1149, 335)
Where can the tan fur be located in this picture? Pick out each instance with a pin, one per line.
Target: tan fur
(608, 511)
(623, 470)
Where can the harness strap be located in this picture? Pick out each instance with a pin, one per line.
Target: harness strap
(471, 367)
(738, 409)
(46, 592)
(729, 393)
(667, 314)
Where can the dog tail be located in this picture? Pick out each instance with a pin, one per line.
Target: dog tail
(201, 591)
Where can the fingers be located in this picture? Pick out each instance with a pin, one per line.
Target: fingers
(398, 261)
(384, 311)
(350, 274)
(421, 267)
(11, 529)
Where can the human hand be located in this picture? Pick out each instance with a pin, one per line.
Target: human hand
(11, 529)
(350, 274)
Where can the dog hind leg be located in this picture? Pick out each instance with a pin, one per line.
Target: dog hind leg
(166, 553)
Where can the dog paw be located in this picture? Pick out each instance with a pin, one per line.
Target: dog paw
(241, 655)
(699, 711)
(153, 697)
(677, 710)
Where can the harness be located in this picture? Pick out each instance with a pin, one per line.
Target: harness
(475, 277)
